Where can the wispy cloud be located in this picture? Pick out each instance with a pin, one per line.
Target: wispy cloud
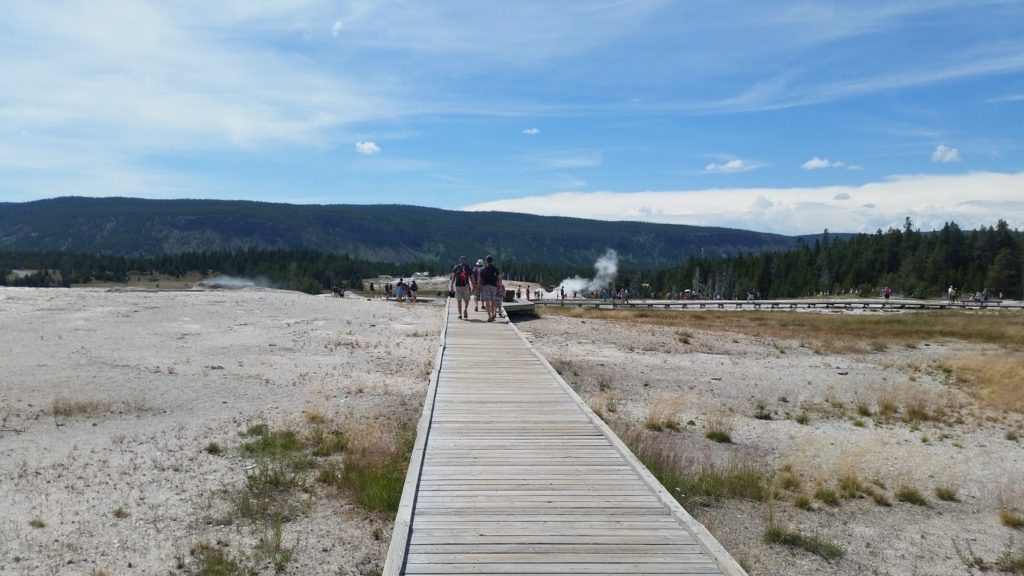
(576, 159)
(531, 131)
(367, 148)
(730, 167)
(336, 28)
(1006, 98)
(971, 200)
(945, 154)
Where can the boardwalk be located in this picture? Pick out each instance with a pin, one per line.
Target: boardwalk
(512, 474)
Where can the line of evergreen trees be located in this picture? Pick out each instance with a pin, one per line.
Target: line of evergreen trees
(911, 262)
(309, 271)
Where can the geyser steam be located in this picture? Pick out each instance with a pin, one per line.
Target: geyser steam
(605, 269)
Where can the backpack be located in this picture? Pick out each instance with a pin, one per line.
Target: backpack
(489, 276)
(461, 276)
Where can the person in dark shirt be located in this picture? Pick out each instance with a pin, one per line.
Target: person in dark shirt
(490, 278)
(462, 284)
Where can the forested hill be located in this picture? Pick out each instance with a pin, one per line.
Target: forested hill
(137, 227)
(911, 262)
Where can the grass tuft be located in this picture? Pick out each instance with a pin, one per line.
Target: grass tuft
(910, 495)
(719, 436)
(827, 496)
(719, 429)
(946, 494)
(776, 534)
(67, 407)
(1011, 518)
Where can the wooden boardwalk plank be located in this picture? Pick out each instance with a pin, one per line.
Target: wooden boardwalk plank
(512, 474)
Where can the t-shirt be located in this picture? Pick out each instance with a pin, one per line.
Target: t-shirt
(462, 273)
(489, 275)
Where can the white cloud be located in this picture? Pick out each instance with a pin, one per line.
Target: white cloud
(367, 148)
(841, 196)
(816, 163)
(929, 200)
(1006, 98)
(336, 29)
(944, 154)
(729, 167)
(854, 167)
(531, 131)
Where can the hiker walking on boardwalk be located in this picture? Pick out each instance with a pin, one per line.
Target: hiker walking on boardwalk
(490, 277)
(462, 283)
(476, 284)
(952, 294)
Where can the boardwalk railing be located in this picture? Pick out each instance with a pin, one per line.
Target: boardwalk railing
(836, 304)
(512, 473)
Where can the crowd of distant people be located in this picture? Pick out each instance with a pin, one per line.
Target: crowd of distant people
(399, 291)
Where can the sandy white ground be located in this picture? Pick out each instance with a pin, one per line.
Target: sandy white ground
(177, 370)
(725, 376)
(171, 372)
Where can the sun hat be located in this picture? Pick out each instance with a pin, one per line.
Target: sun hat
(479, 262)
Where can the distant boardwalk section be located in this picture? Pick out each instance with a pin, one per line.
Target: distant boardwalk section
(513, 474)
(802, 304)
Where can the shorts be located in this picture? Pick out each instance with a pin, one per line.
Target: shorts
(462, 293)
(490, 293)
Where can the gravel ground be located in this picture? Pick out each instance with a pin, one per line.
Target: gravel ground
(732, 378)
(156, 377)
(159, 375)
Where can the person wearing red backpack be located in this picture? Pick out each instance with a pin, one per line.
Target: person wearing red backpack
(462, 284)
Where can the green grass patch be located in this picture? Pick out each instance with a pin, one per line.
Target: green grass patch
(719, 436)
(696, 479)
(776, 534)
(375, 465)
(827, 496)
(910, 495)
(946, 494)
(214, 560)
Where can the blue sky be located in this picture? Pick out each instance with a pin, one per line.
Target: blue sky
(779, 116)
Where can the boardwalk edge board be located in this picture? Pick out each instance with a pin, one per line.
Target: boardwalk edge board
(726, 563)
(402, 532)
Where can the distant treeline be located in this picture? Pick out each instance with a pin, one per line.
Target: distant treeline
(911, 262)
(309, 271)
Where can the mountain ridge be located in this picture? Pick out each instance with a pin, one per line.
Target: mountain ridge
(381, 232)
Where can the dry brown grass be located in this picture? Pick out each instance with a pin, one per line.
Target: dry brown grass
(64, 406)
(838, 333)
(664, 412)
(996, 379)
(604, 402)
